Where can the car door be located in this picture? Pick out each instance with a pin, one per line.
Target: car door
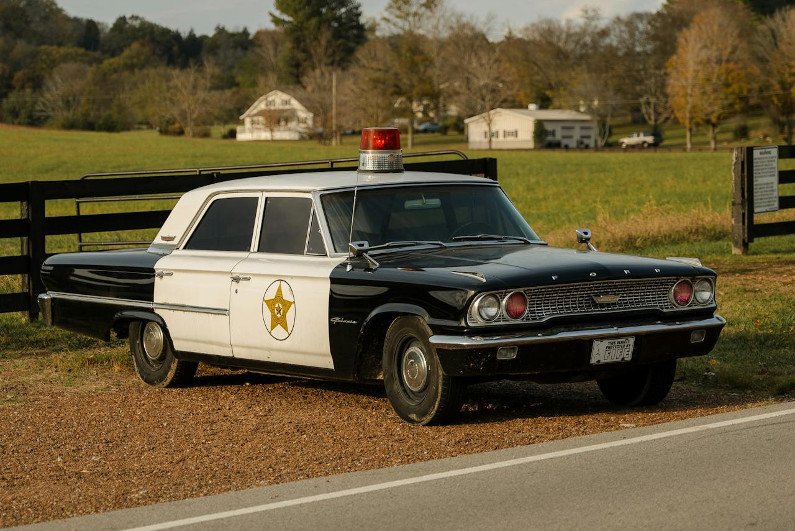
(192, 283)
(279, 301)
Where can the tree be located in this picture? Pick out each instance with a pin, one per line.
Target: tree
(481, 77)
(306, 22)
(410, 79)
(710, 73)
(775, 53)
(62, 95)
(189, 98)
(684, 77)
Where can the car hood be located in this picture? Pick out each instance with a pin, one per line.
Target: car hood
(527, 265)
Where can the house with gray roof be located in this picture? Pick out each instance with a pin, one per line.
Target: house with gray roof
(515, 128)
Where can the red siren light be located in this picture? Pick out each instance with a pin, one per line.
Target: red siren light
(380, 139)
(380, 150)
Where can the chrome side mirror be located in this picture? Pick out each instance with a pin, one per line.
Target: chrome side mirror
(584, 236)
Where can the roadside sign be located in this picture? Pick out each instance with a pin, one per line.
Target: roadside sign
(765, 173)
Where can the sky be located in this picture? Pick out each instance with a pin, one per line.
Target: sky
(204, 15)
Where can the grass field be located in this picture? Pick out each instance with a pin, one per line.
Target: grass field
(656, 204)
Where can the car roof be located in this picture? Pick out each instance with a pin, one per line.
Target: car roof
(191, 202)
(331, 180)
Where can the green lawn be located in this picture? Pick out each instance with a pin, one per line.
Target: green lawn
(657, 204)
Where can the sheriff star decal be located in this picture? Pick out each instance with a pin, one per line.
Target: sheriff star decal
(278, 310)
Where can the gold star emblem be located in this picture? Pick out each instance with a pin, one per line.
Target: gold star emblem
(279, 306)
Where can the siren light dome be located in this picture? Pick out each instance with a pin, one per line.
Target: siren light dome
(380, 150)
(380, 139)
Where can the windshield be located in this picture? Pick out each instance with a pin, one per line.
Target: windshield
(443, 213)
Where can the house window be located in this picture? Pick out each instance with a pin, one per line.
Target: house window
(510, 134)
(495, 134)
(549, 133)
(568, 127)
(286, 103)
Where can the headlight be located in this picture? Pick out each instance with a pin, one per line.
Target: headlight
(703, 291)
(682, 292)
(488, 307)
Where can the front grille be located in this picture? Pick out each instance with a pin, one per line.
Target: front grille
(581, 299)
(577, 299)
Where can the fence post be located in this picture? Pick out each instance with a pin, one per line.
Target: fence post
(36, 246)
(740, 204)
(24, 247)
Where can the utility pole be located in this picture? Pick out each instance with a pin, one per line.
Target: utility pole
(334, 138)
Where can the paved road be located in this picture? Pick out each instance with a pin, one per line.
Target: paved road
(722, 472)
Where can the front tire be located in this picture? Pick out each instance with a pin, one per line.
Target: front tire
(154, 359)
(417, 388)
(640, 386)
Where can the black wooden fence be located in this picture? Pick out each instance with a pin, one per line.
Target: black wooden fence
(744, 225)
(34, 225)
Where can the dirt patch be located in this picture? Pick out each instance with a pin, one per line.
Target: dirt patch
(69, 452)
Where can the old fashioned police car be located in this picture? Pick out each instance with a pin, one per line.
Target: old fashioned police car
(425, 281)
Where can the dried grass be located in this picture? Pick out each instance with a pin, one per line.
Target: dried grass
(657, 225)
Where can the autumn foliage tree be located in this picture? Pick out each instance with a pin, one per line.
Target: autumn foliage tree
(710, 73)
(775, 50)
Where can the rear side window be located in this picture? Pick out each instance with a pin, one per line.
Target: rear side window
(227, 225)
(285, 225)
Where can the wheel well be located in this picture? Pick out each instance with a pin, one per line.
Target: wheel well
(370, 349)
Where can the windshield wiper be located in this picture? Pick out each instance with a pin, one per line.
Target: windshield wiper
(498, 237)
(406, 243)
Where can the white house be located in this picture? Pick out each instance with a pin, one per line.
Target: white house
(275, 116)
(513, 129)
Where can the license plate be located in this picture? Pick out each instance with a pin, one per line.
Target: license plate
(612, 350)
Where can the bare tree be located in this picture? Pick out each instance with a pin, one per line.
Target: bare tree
(481, 77)
(411, 62)
(62, 94)
(189, 98)
(365, 85)
(654, 102)
(775, 52)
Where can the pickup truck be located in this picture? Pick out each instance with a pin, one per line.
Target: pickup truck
(640, 139)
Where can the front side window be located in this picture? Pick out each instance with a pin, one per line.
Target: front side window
(285, 225)
(227, 225)
(437, 213)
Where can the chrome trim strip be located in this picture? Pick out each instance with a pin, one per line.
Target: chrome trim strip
(191, 309)
(450, 342)
(98, 299)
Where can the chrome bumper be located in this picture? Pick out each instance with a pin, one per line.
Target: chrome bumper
(45, 305)
(448, 342)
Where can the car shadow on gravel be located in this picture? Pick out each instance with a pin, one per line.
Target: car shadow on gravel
(507, 400)
(220, 378)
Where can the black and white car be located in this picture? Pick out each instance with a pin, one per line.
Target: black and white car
(424, 281)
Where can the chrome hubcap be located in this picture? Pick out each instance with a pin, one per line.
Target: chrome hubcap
(414, 367)
(153, 341)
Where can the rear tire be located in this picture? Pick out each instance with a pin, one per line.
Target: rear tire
(417, 388)
(640, 386)
(154, 359)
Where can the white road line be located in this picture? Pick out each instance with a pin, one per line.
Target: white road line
(460, 472)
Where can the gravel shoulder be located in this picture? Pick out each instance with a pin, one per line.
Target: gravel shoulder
(73, 451)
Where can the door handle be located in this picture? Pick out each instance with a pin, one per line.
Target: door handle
(161, 274)
(238, 278)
